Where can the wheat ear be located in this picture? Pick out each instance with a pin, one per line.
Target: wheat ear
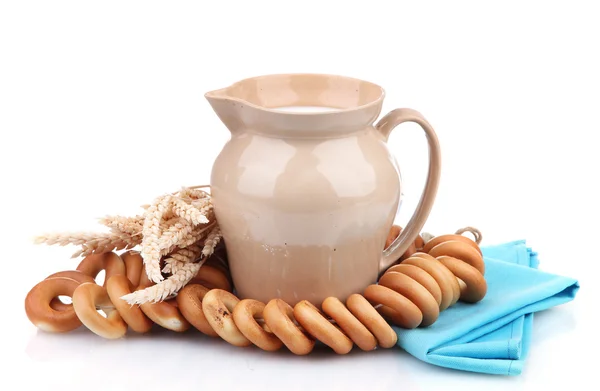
(128, 225)
(211, 241)
(165, 288)
(91, 242)
(180, 257)
(197, 235)
(204, 205)
(176, 233)
(151, 232)
(188, 212)
(192, 194)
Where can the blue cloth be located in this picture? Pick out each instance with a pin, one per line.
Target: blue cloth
(492, 336)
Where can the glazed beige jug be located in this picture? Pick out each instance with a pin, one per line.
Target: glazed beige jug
(305, 198)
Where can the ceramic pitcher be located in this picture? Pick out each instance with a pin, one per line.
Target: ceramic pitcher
(305, 199)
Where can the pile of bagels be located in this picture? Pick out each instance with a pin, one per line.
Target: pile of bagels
(429, 278)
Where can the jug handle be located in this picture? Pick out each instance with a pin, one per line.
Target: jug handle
(417, 221)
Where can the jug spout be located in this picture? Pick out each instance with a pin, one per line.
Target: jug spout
(216, 94)
(226, 107)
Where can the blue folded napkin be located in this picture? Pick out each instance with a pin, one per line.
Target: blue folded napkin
(493, 335)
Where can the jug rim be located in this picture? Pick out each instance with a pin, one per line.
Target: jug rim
(222, 93)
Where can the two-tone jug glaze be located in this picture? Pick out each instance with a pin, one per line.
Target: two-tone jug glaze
(305, 198)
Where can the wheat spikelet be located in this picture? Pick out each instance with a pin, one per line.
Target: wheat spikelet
(173, 266)
(128, 225)
(188, 254)
(188, 212)
(197, 235)
(180, 257)
(189, 238)
(205, 206)
(168, 222)
(189, 193)
(175, 234)
(211, 241)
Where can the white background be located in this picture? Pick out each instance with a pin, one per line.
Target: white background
(102, 109)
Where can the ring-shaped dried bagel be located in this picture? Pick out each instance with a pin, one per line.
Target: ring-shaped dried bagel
(86, 298)
(419, 242)
(408, 314)
(134, 266)
(56, 303)
(189, 301)
(110, 262)
(245, 314)
(395, 231)
(219, 260)
(166, 314)
(145, 281)
(460, 250)
(415, 292)
(39, 312)
(313, 321)
(373, 321)
(422, 277)
(392, 235)
(349, 324)
(279, 317)
(409, 251)
(452, 237)
(74, 275)
(390, 314)
(118, 286)
(475, 286)
(218, 305)
(212, 278)
(444, 277)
